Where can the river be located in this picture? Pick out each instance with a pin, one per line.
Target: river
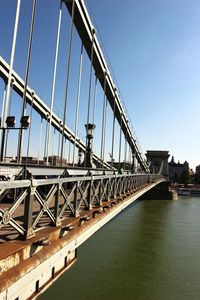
(151, 251)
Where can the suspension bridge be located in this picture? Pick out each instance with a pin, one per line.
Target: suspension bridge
(59, 185)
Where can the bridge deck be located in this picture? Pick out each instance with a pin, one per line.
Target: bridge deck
(18, 257)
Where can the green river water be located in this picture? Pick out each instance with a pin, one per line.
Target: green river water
(151, 251)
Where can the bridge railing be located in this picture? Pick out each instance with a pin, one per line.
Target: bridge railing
(29, 205)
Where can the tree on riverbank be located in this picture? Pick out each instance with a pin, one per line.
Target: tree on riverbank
(185, 177)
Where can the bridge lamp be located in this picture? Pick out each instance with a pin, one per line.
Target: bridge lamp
(89, 130)
(88, 161)
(10, 122)
(25, 122)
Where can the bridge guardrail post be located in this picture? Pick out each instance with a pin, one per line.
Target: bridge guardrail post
(135, 183)
(108, 190)
(76, 200)
(89, 195)
(115, 187)
(100, 192)
(120, 185)
(129, 183)
(28, 211)
(56, 208)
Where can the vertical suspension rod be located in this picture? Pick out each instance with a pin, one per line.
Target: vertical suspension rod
(103, 116)
(3, 102)
(40, 139)
(125, 149)
(60, 130)
(54, 81)
(26, 79)
(94, 105)
(113, 134)
(45, 139)
(9, 109)
(120, 140)
(104, 132)
(29, 130)
(11, 61)
(69, 151)
(2, 116)
(90, 80)
(77, 100)
(67, 79)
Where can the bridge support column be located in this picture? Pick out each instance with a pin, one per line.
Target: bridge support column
(28, 213)
(89, 196)
(56, 208)
(76, 214)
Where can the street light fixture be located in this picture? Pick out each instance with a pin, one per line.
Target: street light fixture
(25, 122)
(10, 122)
(88, 160)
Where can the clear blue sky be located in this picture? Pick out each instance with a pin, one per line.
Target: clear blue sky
(153, 47)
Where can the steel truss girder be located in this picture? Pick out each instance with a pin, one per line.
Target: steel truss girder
(78, 194)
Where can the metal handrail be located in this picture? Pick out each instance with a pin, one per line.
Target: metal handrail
(59, 198)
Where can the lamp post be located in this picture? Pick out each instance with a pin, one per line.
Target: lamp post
(88, 160)
(10, 122)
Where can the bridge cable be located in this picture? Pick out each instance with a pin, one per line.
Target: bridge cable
(64, 150)
(120, 140)
(105, 122)
(46, 130)
(53, 143)
(69, 151)
(54, 80)
(90, 79)
(67, 78)
(40, 138)
(103, 117)
(90, 84)
(129, 157)
(78, 100)
(2, 110)
(3, 102)
(29, 129)
(113, 131)
(125, 149)
(11, 61)
(20, 138)
(9, 109)
(59, 132)
(94, 105)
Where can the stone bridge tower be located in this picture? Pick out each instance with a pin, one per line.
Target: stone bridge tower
(156, 158)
